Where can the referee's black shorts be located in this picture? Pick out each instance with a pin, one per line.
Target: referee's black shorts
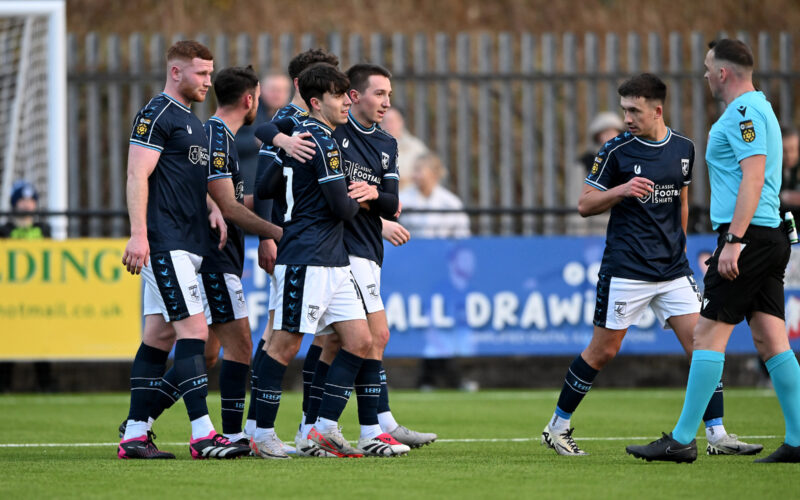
(759, 286)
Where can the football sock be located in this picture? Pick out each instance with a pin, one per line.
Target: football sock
(368, 391)
(577, 383)
(309, 366)
(704, 375)
(387, 421)
(146, 371)
(785, 374)
(270, 379)
(263, 433)
(150, 421)
(202, 427)
(190, 371)
(324, 425)
(383, 401)
(560, 421)
(251, 409)
(370, 431)
(232, 390)
(339, 384)
(715, 408)
(315, 393)
(167, 396)
(135, 429)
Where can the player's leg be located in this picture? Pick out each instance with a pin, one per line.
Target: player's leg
(250, 423)
(284, 342)
(329, 344)
(136, 439)
(619, 304)
(310, 366)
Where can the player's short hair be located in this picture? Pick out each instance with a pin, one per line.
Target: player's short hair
(312, 56)
(319, 78)
(234, 82)
(734, 51)
(187, 50)
(788, 130)
(359, 75)
(645, 85)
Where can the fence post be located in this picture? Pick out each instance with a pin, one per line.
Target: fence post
(699, 123)
(530, 179)
(572, 176)
(376, 49)
(464, 133)
(549, 130)
(116, 166)
(612, 69)
(421, 88)
(675, 95)
(74, 147)
(265, 60)
(485, 129)
(93, 132)
(354, 49)
(507, 165)
(244, 53)
(442, 99)
(399, 69)
(786, 66)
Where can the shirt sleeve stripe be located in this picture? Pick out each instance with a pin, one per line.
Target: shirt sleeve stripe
(596, 185)
(219, 176)
(330, 178)
(391, 176)
(146, 145)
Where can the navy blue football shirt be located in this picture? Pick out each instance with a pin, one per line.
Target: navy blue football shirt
(224, 164)
(268, 154)
(645, 240)
(312, 233)
(370, 155)
(176, 201)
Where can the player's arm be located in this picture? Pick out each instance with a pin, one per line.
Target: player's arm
(685, 209)
(223, 193)
(141, 163)
(338, 199)
(387, 203)
(274, 133)
(595, 201)
(217, 221)
(394, 233)
(271, 183)
(746, 203)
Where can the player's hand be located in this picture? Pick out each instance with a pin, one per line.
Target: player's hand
(637, 187)
(267, 252)
(137, 254)
(296, 146)
(728, 262)
(395, 233)
(216, 221)
(362, 191)
(399, 209)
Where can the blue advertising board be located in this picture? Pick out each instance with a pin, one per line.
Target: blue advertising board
(507, 296)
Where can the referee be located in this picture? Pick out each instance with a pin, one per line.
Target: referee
(745, 274)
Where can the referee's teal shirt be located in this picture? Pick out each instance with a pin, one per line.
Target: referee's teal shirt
(747, 127)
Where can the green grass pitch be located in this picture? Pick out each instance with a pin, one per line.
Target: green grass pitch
(488, 448)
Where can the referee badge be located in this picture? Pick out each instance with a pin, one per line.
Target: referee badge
(748, 131)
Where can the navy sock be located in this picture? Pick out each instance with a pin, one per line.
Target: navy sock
(270, 379)
(257, 357)
(190, 371)
(232, 390)
(309, 366)
(383, 400)
(315, 391)
(715, 408)
(339, 384)
(368, 391)
(576, 384)
(167, 396)
(146, 371)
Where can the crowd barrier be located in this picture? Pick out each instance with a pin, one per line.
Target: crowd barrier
(499, 296)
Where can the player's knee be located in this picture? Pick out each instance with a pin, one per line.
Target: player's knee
(380, 338)
(358, 344)
(211, 359)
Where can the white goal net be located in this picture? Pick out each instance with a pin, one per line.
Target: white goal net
(32, 102)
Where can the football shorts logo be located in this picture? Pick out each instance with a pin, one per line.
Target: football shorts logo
(385, 161)
(685, 166)
(619, 308)
(194, 293)
(240, 296)
(313, 313)
(637, 169)
(748, 130)
(373, 290)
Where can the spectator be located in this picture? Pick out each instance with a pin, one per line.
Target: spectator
(790, 187)
(603, 127)
(427, 193)
(276, 90)
(24, 198)
(409, 147)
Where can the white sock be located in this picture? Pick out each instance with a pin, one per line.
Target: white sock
(250, 427)
(202, 427)
(261, 433)
(305, 429)
(370, 431)
(135, 429)
(387, 421)
(324, 425)
(715, 432)
(150, 421)
(234, 437)
(559, 424)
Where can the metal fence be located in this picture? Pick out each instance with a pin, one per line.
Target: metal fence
(508, 113)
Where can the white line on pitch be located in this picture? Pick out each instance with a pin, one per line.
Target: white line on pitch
(468, 440)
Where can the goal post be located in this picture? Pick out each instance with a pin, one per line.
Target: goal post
(33, 102)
